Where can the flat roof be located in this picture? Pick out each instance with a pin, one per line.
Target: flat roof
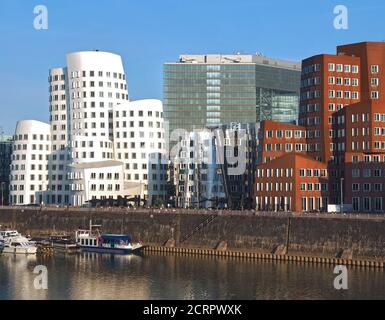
(237, 59)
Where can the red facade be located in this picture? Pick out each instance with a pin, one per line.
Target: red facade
(343, 115)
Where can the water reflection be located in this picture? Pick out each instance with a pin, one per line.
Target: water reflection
(157, 276)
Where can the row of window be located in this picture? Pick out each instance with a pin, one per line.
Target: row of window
(40, 157)
(36, 177)
(343, 81)
(367, 204)
(367, 158)
(273, 187)
(379, 117)
(313, 173)
(34, 147)
(92, 84)
(34, 137)
(288, 173)
(343, 68)
(339, 94)
(367, 187)
(287, 134)
(56, 77)
(367, 173)
(313, 187)
(102, 175)
(335, 81)
(77, 105)
(150, 124)
(93, 187)
(83, 94)
(141, 145)
(288, 147)
(92, 73)
(139, 113)
(133, 134)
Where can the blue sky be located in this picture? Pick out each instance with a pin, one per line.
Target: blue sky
(147, 33)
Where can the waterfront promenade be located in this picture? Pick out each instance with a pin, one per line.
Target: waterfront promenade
(223, 212)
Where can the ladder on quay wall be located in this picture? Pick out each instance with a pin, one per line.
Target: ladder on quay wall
(198, 228)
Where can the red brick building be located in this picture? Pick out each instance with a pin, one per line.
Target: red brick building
(342, 112)
(292, 182)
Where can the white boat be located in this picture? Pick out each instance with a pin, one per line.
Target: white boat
(15, 243)
(8, 234)
(93, 241)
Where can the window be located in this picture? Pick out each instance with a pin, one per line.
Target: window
(374, 82)
(378, 204)
(331, 66)
(374, 68)
(366, 204)
(355, 173)
(356, 204)
(374, 95)
(354, 69)
(304, 204)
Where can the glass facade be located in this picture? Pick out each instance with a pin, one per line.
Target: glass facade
(5, 163)
(198, 95)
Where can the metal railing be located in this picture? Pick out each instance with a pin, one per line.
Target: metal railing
(222, 212)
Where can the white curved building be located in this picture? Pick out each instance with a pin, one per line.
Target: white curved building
(88, 108)
(139, 141)
(30, 156)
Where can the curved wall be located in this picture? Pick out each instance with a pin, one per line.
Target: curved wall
(31, 149)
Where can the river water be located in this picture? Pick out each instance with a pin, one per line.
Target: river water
(157, 276)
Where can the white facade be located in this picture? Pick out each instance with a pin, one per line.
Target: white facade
(29, 168)
(139, 142)
(88, 107)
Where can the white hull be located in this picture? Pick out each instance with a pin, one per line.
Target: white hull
(20, 250)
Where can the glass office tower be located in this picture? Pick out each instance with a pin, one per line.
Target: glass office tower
(5, 163)
(211, 90)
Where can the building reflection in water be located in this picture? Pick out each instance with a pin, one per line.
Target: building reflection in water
(163, 276)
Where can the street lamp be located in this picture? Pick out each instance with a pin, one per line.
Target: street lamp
(342, 194)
